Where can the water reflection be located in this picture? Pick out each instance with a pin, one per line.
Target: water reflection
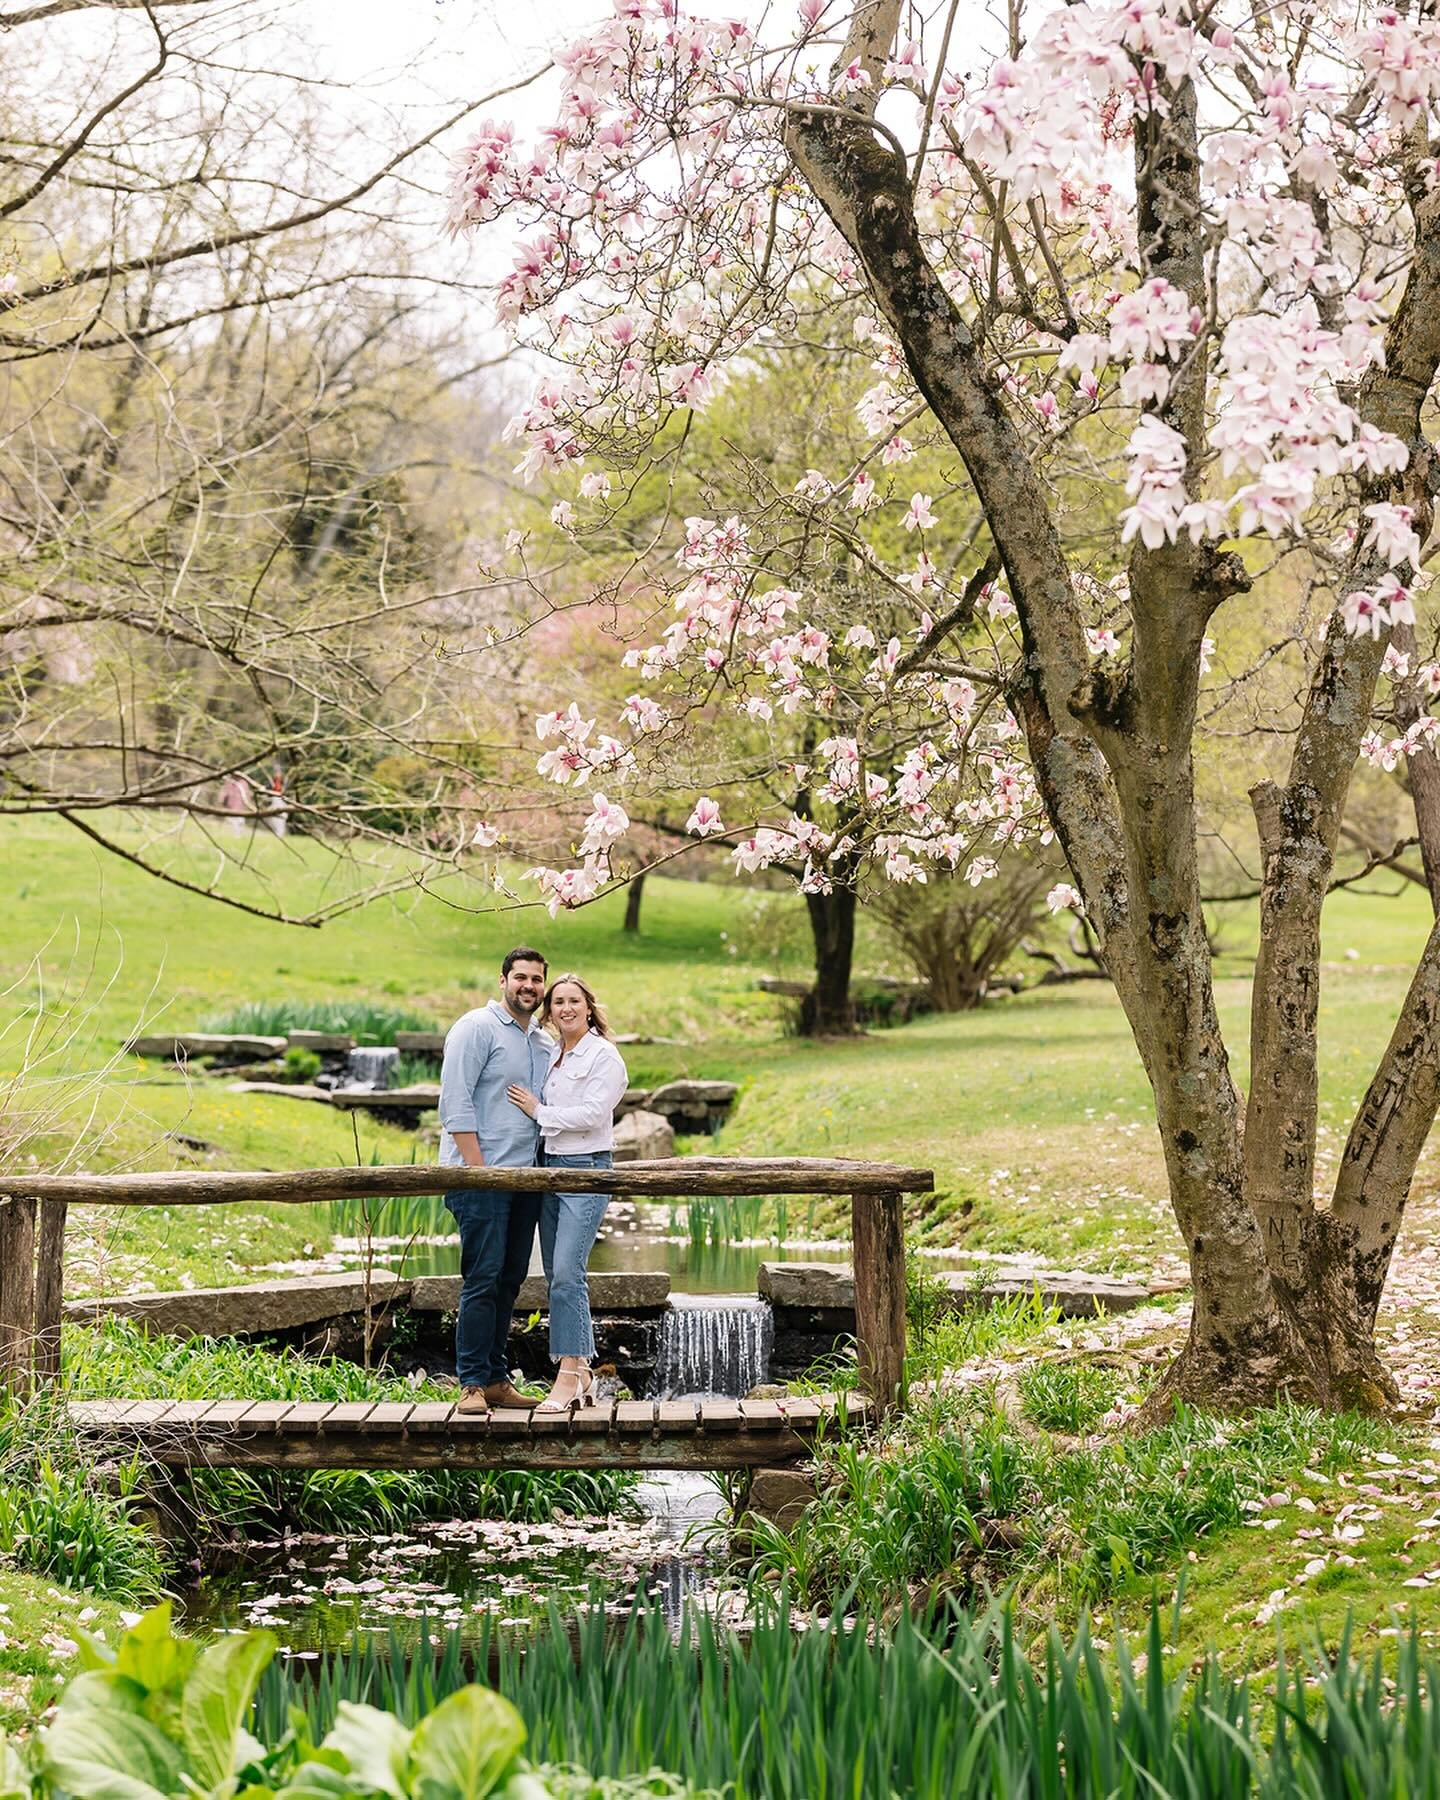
(636, 1239)
(319, 1593)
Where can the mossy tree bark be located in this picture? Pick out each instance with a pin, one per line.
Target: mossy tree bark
(1285, 1289)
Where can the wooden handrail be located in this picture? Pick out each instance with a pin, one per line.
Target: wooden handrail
(30, 1295)
(671, 1175)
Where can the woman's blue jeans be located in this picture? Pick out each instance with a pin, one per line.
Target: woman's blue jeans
(568, 1224)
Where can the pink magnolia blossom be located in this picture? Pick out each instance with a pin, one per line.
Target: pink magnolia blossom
(1063, 895)
(705, 820)
(919, 516)
(864, 495)
(1392, 535)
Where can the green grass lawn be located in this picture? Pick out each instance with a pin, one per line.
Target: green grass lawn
(1033, 1112)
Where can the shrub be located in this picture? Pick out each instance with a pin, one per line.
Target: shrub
(302, 1065)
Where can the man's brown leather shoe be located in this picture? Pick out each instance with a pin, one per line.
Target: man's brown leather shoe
(505, 1393)
(472, 1400)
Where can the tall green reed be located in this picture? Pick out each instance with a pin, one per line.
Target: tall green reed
(367, 1021)
(943, 1708)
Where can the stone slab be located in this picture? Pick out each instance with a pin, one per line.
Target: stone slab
(616, 1291)
(420, 1043)
(333, 1041)
(254, 1309)
(421, 1096)
(693, 1093)
(1078, 1296)
(831, 1287)
(287, 1090)
(804, 1284)
(179, 1044)
(643, 1136)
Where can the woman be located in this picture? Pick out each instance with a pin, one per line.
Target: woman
(576, 1116)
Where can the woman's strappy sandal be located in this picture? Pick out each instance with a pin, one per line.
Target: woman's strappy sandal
(584, 1394)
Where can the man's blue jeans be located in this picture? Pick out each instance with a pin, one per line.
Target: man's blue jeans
(496, 1233)
(568, 1224)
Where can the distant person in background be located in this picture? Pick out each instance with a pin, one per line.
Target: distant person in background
(487, 1052)
(575, 1110)
(237, 797)
(275, 809)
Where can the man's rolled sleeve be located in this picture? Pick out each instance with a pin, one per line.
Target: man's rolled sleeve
(467, 1049)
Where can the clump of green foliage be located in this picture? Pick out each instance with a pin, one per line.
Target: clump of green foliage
(367, 1021)
(160, 1716)
(302, 1065)
(1068, 1396)
(955, 1496)
(944, 1707)
(63, 1518)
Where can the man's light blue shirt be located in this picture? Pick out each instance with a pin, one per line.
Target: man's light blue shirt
(485, 1051)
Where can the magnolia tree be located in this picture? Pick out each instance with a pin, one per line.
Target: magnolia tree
(1213, 233)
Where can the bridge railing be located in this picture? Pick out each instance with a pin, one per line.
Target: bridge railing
(33, 1212)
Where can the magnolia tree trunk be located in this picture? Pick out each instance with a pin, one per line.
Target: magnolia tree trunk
(1285, 1292)
(827, 1010)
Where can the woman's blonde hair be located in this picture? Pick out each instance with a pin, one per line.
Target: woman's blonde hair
(598, 1021)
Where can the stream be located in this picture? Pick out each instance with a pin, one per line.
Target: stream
(319, 1593)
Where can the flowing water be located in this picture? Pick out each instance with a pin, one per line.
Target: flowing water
(370, 1066)
(713, 1344)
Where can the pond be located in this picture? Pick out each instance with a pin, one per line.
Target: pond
(319, 1593)
(636, 1239)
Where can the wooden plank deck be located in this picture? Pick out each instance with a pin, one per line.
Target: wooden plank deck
(627, 1434)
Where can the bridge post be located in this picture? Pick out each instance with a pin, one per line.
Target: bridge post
(878, 1237)
(32, 1276)
(17, 1291)
(49, 1288)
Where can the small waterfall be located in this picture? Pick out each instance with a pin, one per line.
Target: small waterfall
(713, 1344)
(370, 1066)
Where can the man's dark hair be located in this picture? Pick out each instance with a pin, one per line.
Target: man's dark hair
(521, 953)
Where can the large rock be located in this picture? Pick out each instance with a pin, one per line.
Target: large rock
(780, 1495)
(803, 1284)
(641, 1136)
(254, 1310)
(404, 1104)
(420, 1043)
(180, 1045)
(613, 1291)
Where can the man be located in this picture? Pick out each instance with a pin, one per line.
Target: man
(485, 1051)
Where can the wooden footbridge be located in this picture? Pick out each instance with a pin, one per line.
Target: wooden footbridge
(361, 1434)
(623, 1434)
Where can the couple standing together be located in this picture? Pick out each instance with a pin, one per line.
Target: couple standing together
(512, 1096)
